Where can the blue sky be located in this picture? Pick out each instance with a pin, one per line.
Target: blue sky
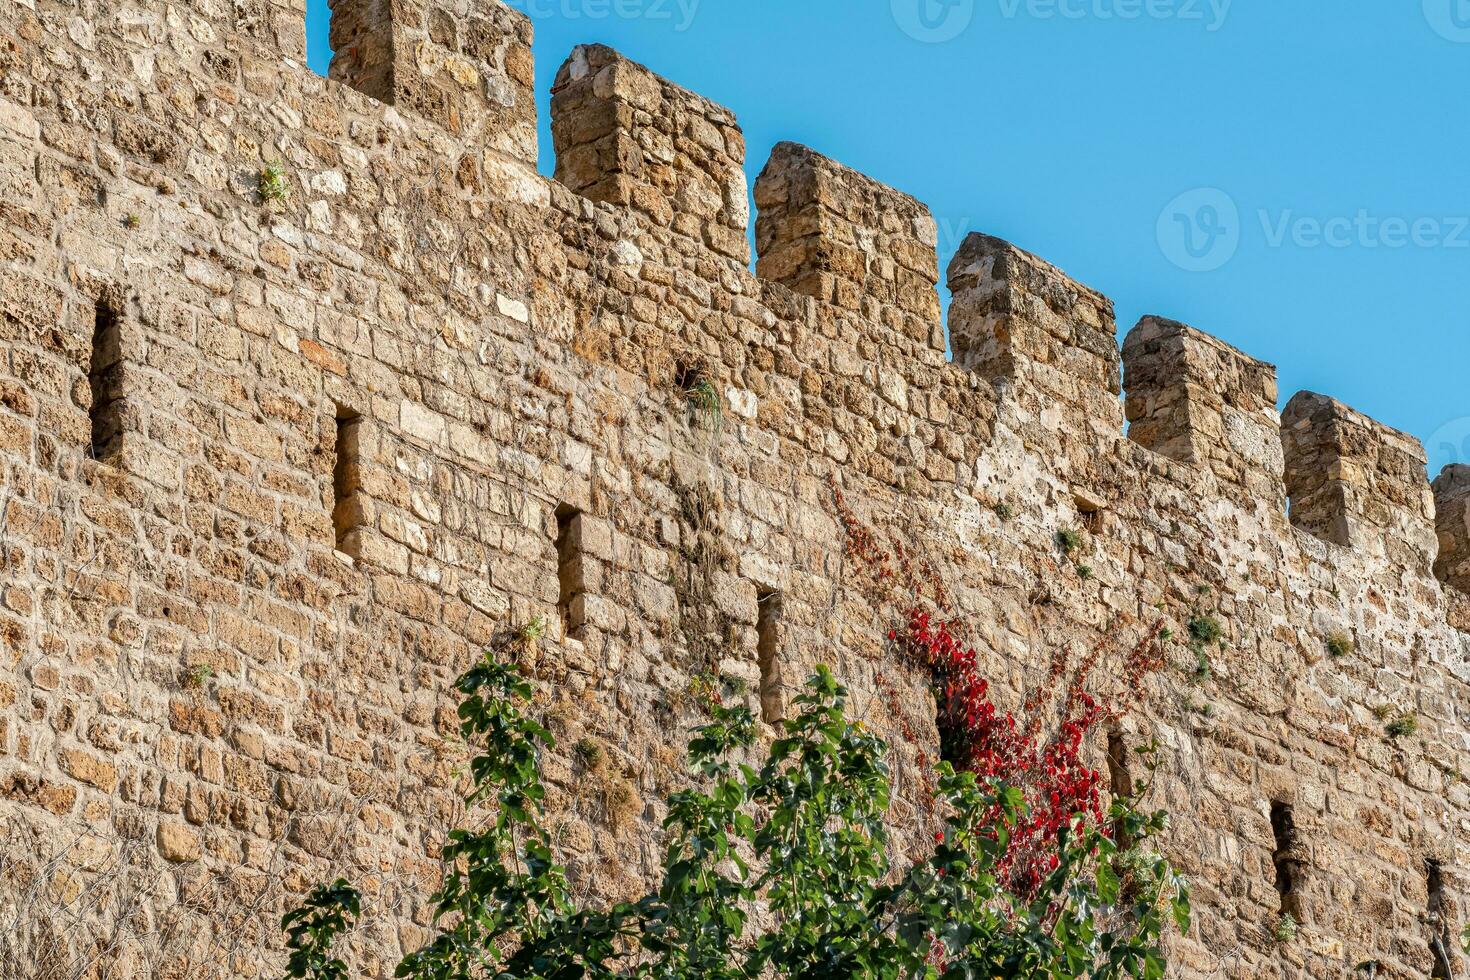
(1292, 176)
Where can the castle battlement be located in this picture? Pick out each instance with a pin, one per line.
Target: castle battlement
(311, 387)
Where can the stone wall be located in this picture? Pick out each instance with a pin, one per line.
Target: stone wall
(273, 470)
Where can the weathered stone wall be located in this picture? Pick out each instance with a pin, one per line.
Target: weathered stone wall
(219, 683)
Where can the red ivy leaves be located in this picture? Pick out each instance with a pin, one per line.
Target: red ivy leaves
(978, 737)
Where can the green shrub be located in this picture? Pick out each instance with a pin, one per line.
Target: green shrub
(804, 837)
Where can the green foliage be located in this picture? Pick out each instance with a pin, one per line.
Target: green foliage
(1068, 539)
(1339, 643)
(198, 675)
(704, 401)
(272, 184)
(1004, 511)
(589, 753)
(1205, 630)
(533, 630)
(1203, 670)
(1286, 928)
(328, 911)
(1403, 726)
(802, 835)
(1084, 572)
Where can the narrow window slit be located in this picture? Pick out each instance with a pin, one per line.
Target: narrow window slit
(571, 571)
(1286, 859)
(1120, 777)
(767, 627)
(349, 507)
(1440, 941)
(104, 374)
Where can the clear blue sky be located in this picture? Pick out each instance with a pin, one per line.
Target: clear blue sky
(1073, 127)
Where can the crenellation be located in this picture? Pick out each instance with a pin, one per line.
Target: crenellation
(1356, 482)
(1016, 318)
(626, 136)
(1195, 399)
(465, 65)
(829, 232)
(264, 692)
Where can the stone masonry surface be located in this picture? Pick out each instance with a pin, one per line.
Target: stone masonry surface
(310, 388)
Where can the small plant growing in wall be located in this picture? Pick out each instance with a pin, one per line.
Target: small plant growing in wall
(197, 676)
(272, 184)
(1286, 928)
(1204, 632)
(589, 754)
(132, 222)
(534, 630)
(1068, 539)
(704, 690)
(1339, 644)
(1004, 511)
(701, 395)
(1404, 726)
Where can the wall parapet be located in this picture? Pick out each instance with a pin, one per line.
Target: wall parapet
(1196, 399)
(1354, 481)
(626, 136)
(827, 231)
(1017, 317)
(194, 658)
(465, 65)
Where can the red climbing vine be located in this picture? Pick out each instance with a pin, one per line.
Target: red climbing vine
(1045, 761)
